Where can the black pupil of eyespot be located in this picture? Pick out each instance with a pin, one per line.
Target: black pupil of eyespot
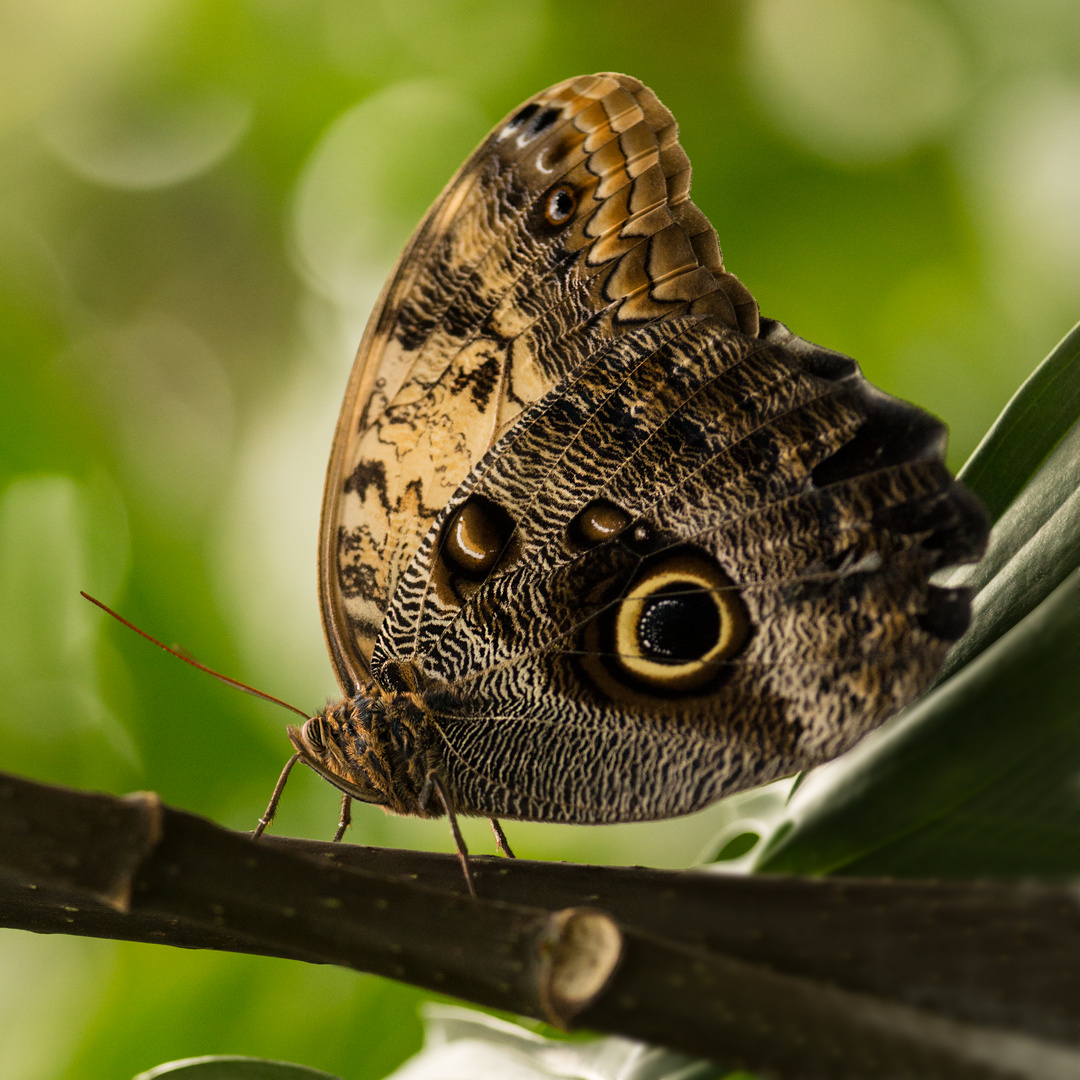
(678, 623)
(562, 204)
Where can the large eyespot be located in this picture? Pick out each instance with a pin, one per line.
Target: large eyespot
(559, 205)
(314, 734)
(681, 619)
(475, 536)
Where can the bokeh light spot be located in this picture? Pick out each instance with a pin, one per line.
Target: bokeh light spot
(856, 81)
(370, 178)
(135, 145)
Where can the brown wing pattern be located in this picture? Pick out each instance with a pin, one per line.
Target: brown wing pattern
(817, 506)
(568, 227)
(611, 546)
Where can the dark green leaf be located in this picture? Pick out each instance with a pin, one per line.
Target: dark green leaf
(1038, 415)
(1033, 547)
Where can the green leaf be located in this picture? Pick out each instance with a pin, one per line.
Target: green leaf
(1033, 547)
(1038, 415)
(228, 1067)
(978, 778)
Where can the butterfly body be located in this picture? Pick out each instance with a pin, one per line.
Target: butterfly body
(377, 747)
(599, 543)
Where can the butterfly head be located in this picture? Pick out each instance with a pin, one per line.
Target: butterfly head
(368, 747)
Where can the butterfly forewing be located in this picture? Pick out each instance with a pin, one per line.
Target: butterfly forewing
(497, 298)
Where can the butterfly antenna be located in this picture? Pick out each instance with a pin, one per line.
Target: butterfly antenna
(195, 663)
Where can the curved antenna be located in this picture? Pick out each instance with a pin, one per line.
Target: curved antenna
(195, 663)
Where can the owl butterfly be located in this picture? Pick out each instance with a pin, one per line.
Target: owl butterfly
(598, 542)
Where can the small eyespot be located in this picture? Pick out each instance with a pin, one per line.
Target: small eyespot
(314, 733)
(642, 539)
(560, 205)
(599, 521)
(522, 116)
(546, 119)
(475, 537)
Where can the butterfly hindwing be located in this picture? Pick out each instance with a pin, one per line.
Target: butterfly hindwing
(753, 487)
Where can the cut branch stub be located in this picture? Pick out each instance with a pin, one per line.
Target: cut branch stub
(577, 959)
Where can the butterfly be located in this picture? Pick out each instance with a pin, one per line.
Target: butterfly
(600, 543)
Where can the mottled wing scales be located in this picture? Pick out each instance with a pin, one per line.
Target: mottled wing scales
(824, 502)
(566, 423)
(491, 306)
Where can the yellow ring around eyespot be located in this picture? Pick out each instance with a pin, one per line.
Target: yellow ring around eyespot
(696, 573)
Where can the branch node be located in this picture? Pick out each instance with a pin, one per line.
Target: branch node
(578, 957)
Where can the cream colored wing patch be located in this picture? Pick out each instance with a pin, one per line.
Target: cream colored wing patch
(570, 223)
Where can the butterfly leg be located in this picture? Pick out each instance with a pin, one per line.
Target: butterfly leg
(271, 810)
(346, 817)
(500, 838)
(433, 783)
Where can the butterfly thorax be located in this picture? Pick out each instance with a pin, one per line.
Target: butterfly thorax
(376, 747)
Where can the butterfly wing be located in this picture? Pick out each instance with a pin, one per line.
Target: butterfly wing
(569, 226)
(636, 548)
(708, 561)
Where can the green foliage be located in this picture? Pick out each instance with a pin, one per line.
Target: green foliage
(1035, 543)
(193, 229)
(1036, 419)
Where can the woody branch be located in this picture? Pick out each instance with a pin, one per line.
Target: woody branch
(748, 970)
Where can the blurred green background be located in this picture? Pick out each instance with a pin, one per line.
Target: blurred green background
(200, 201)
